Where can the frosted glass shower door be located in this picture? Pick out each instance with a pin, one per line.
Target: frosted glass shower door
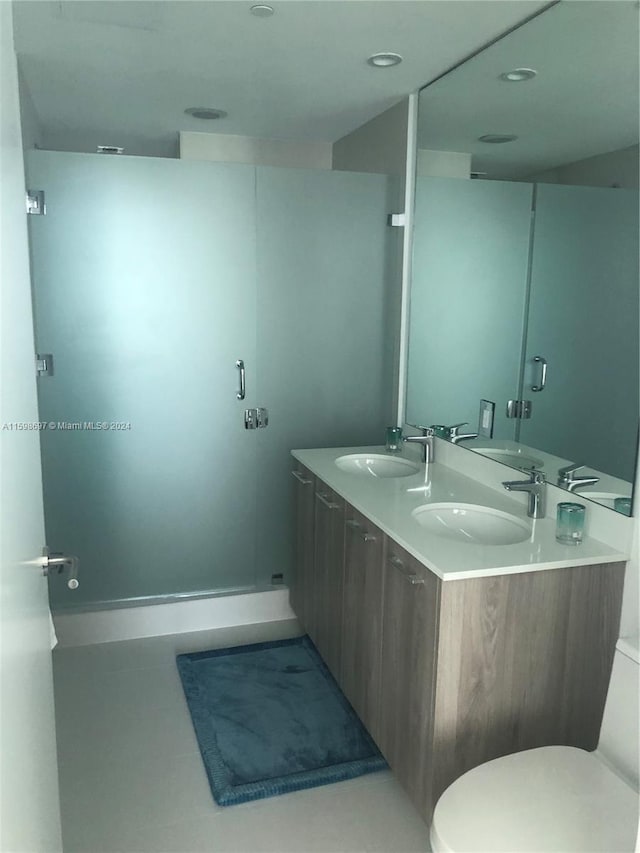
(468, 299)
(583, 318)
(144, 278)
(327, 287)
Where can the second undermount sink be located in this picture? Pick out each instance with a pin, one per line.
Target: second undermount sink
(376, 465)
(476, 525)
(511, 457)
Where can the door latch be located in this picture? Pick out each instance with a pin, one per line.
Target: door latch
(61, 562)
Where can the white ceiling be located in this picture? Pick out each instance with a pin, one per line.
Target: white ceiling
(583, 102)
(122, 73)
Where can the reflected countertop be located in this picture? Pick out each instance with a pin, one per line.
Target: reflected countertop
(603, 492)
(388, 503)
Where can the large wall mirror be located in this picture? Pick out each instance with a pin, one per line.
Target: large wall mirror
(525, 264)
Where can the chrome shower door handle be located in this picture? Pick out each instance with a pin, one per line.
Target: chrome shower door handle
(538, 359)
(243, 387)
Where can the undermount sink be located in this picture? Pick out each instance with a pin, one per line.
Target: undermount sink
(510, 457)
(477, 525)
(376, 465)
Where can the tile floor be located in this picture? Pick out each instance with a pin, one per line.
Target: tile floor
(132, 781)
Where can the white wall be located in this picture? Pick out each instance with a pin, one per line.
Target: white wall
(228, 148)
(32, 136)
(615, 168)
(443, 164)
(380, 145)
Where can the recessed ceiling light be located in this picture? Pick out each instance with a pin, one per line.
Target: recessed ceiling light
(206, 113)
(384, 60)
(261, 10)
(497, 138)
(518, 75)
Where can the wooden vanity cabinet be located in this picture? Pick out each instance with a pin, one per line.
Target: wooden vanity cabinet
(362, 618)
(479, 668)
(523, 661)
(447, 675)
(328, 570)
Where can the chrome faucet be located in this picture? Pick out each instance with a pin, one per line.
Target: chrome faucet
(426, 440)
(567, 479)
(455, 436)
(536, 487)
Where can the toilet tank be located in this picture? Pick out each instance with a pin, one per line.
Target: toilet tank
(619, 735)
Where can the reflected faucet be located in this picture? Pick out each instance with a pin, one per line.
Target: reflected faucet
(455, 436)
(567, 480)
(536, 487)
(426, 440)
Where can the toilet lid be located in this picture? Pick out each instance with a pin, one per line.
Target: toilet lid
(555, 798)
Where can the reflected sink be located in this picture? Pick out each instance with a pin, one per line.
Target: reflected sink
(510, 457)
(477, 525)
(376, 465)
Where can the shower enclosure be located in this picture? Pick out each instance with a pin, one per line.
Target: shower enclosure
(152, 279)
(510, 275)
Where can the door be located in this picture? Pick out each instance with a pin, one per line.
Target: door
(144, 280)
(583, 319)
(152, 277)
(29, 805)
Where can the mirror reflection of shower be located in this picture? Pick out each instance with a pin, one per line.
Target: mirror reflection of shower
(525, 269)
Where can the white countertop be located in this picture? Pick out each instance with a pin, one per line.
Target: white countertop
(388, 503)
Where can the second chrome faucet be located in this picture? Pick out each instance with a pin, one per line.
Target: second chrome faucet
(536, 487)
(426, 440)
(568, 480)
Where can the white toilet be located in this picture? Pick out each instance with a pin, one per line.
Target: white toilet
(556, 799)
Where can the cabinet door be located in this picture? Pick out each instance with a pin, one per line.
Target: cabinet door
(328, 570)
(411, 595)
(362, 618)
(301, 593)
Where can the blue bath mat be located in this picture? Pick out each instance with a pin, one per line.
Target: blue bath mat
(270, 719)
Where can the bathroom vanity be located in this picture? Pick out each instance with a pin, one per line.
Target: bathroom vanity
(452, 652)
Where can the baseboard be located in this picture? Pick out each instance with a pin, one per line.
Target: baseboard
(202, 614)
